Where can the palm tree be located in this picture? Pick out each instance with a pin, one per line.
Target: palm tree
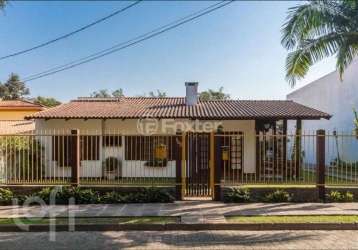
(317, 30)
(2, 4)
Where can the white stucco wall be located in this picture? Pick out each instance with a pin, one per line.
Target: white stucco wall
(129, 127)
(337, 98)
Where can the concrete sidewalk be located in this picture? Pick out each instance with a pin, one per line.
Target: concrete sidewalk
(189, 211)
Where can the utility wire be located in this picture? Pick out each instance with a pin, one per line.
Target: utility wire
(71, 33)
(124, 43)
(130, 42)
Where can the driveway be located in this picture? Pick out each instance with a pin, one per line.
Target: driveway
(182, 239)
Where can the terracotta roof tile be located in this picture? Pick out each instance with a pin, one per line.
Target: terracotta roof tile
(19, 104)
(174, 107)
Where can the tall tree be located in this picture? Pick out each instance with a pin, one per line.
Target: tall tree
(157, 94)
(2, 4)
(104, 93)
(317, 30)
(118, 93)
(47, 101)
(211, 95)
(13, 88)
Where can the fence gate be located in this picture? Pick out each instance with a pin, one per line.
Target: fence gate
(197, 170)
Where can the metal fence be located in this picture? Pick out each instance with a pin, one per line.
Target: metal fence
(50, 158)
(112, 158)
(288, 159)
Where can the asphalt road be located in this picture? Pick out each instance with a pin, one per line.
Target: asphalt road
(182, 239)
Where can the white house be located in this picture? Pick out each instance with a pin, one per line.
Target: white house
(142, 134)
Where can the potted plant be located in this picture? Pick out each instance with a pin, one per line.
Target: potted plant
(112, 167)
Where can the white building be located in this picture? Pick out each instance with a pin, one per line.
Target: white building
(337, 98)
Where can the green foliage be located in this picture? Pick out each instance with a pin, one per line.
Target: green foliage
(237, 195)
(355, 122)
(213, 95)
(81, 196)
(24, 158)
(112, 163)
(111, 198)
(355, 118)
(319, 29)
(103, 93)
(2, 4)
(44, 194)
(153, 194)
(47, 101)
(118, 93)
(90, 196)
(159, 94)
(278, 196)
(13, 88)
(336, 196)
(6, 196)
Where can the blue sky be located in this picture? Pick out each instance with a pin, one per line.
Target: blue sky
(237, 47)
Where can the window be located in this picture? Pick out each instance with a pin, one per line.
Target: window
(236, 152)
(234, 144)
(89, 147)
(61, 150)
(112, 141)
(143, 148)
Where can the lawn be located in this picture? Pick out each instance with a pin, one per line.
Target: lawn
(96, 220)
(293, 219)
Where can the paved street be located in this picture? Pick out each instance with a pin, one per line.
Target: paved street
(183, 239)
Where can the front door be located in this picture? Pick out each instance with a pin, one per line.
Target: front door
(197, 171)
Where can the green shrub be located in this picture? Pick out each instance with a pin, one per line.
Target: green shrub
(336, 196)
(153, 194)
(81, 196)
(111, 198)
(146, 195)
(6, 196)
(237, 195)
(278, 196)
(44, 194)
(90, 196)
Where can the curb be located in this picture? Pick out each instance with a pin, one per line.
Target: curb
(184, 227)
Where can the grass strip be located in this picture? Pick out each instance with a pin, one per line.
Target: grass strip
(93, 220)
(293, 219)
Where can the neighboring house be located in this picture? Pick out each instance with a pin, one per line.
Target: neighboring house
(337, 97)
(135, 130)
(12, 116)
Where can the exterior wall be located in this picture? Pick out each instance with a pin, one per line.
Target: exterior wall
(337, 98)
(15, 114)
(129, 127)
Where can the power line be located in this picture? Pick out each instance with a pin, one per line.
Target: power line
(126, 42)
(71, 33)
(130, 42)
